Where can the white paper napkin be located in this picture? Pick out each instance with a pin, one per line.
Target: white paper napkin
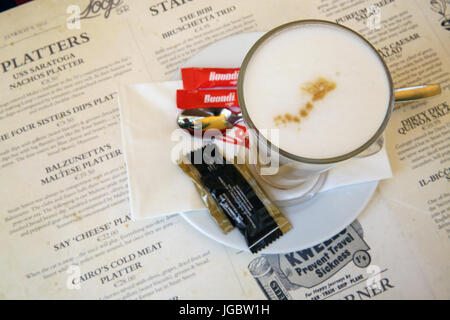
(157, 186)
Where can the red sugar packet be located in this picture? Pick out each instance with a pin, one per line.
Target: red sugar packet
(208, 98)
(195, 78)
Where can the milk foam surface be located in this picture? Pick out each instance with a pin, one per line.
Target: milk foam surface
(346, 118)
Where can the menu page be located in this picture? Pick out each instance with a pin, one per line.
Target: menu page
(66, 231)
(398, 248)
(413, 39)
(419, 144)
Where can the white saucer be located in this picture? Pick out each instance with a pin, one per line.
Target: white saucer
(313, 221)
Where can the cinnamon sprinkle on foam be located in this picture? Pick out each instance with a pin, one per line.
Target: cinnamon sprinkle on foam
(319, 88)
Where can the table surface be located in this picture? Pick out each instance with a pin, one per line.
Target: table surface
(67, 226)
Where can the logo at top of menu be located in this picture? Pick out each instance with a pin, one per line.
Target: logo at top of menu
(95, 8)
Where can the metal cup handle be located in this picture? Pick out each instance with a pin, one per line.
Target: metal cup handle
(416, 92)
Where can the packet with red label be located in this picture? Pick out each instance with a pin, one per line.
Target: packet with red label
(196, 78)
(208, 98)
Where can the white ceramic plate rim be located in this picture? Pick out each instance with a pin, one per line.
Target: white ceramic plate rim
(345, 203)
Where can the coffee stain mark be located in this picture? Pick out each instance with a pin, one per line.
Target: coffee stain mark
(309, 106)
(319, 88)
(76, 217)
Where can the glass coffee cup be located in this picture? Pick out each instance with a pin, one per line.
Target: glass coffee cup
(314, 94)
